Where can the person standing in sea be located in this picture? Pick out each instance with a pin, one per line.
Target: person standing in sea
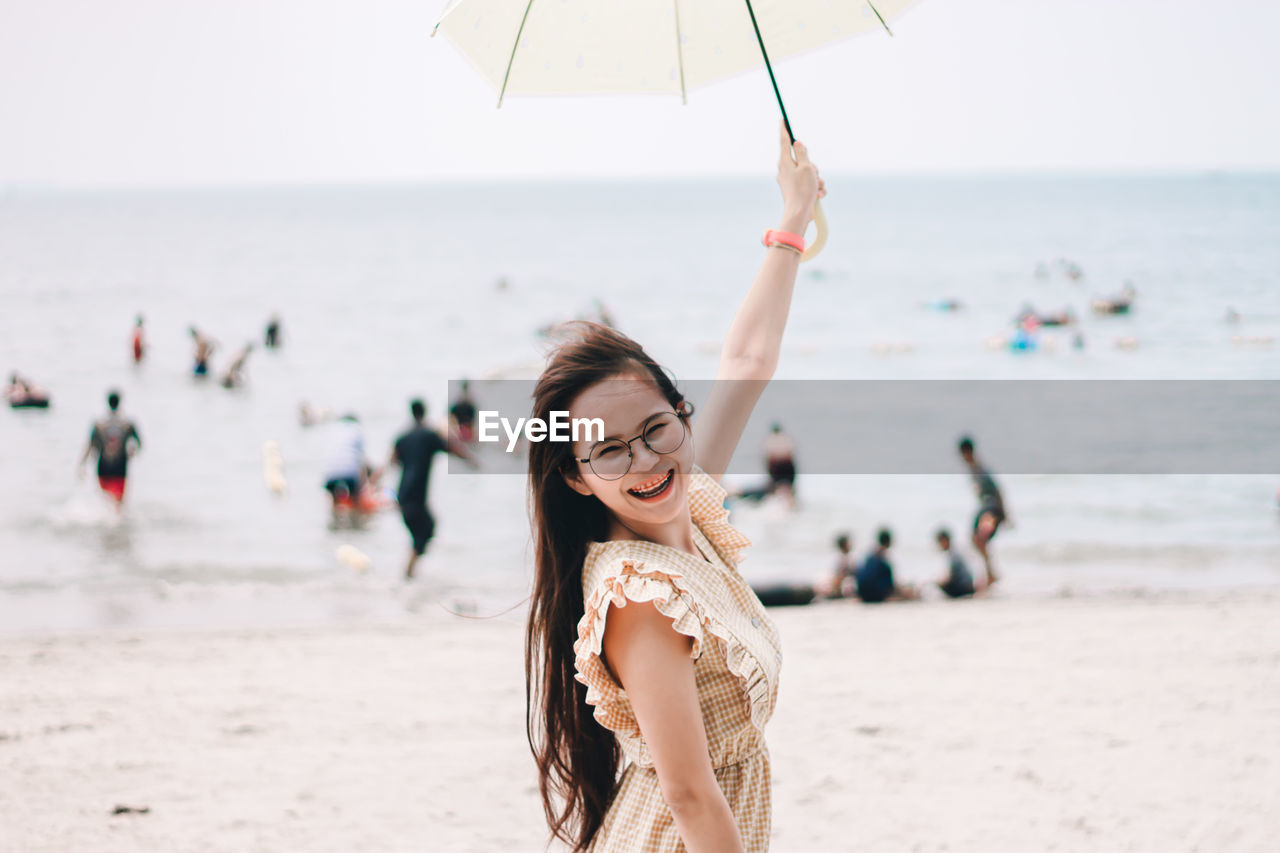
(272, 337)
(115, 440)
(643, 640)
(462, 414)
(235, 377)
(413, 452)
(204, 347)
(344, 469)
(779, 457)
(137, 343)
(991, 513)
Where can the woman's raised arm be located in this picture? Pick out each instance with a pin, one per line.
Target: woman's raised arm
(750, 352)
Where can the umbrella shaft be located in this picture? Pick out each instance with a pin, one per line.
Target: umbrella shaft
(769, 67)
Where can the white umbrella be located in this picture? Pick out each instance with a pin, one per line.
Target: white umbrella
(579, 47)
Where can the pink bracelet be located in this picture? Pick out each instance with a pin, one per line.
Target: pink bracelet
(784, 238)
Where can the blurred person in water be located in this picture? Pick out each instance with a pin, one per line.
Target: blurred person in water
(24, 394)
(204, 349)
(462, 413)
(138, 342)
(273, 337)
(235, 375)
(115, 440)
(643, 640)
(344, 468)
(779, 456)
(779, 460)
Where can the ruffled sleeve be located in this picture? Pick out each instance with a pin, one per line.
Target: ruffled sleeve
(706, 506)
(625, 581)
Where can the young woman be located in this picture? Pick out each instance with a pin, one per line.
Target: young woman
(643, 640)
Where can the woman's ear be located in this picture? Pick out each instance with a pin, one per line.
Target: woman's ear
(574, 480)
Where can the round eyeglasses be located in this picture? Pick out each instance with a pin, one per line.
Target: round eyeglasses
(611, 459)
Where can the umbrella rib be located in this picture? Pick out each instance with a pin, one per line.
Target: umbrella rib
(684, 98)
(881, 17)
(512, 58)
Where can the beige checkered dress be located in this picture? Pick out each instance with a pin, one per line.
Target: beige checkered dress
(738, 657)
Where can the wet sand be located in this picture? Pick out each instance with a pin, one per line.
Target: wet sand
(1037, 724)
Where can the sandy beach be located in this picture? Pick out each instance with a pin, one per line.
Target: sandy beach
(1116, 723)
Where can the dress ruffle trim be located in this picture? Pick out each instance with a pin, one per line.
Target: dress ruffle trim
(667, 589)
(706, 506)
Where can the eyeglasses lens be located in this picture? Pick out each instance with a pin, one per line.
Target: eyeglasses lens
(611, 460)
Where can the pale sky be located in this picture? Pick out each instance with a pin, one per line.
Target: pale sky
(152, 93)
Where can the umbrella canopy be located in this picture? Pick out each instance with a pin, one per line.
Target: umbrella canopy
(577, 47)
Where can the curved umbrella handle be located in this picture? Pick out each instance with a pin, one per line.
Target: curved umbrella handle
(819, 239)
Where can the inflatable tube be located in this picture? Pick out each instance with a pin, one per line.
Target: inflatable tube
(30, 403)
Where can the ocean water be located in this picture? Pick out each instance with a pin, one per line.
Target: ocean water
(388, 293)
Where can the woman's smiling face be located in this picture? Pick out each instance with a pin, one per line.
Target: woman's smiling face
(655, 490)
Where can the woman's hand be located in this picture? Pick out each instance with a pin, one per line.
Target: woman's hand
(800, 183)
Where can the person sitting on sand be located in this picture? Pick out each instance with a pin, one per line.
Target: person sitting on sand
(875, 576)
(959, 580)
(842, 583)
(23, 394)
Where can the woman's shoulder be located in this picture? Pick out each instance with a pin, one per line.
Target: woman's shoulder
(616, 557)
(612, 550)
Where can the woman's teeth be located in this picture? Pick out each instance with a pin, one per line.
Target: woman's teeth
(653, 487)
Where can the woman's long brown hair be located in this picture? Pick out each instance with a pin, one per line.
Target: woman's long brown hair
(578, 759)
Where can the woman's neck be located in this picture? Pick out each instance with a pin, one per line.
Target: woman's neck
(677, 533)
